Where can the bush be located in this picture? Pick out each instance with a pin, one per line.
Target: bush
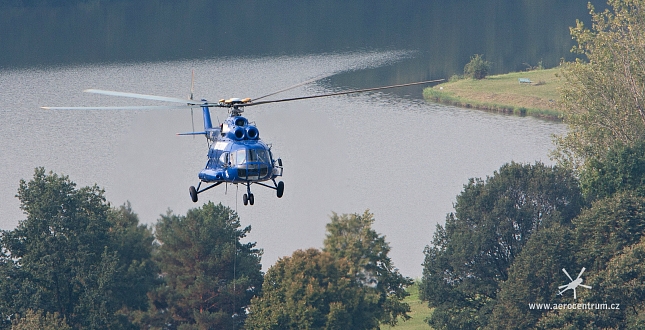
(477, 68)
(454, 77)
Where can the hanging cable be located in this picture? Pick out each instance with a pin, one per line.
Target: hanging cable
(234, 259)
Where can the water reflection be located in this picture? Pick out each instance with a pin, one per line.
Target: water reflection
(443, 33)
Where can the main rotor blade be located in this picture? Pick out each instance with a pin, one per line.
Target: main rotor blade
(582, 271)
(569, 276)
(141, 96)
(294, 86)
(343, 93)
(143, 107)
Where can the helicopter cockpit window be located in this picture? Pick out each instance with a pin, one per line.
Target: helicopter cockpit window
(223, 158)
(257, 155)
(263, 156)
(250, 155)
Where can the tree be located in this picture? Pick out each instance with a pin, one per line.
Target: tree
(209, 277)
(136, 273)
(604, 99)
(58, 260)
(621, 284)
(534, 277)
(313, 290)
(621, 170)
(477, 68)
(74, 257)
(351, 236)
(493, 220)
(351, 284)
(609, 226)
(609, 244)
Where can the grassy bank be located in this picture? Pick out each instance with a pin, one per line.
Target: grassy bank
(504, 93)
(419, 312)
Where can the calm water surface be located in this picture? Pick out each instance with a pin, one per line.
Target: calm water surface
(402, 158)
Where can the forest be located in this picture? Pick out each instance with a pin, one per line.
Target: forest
(502, 260)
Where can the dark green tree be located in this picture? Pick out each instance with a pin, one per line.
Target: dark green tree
(136, 273)
(209, 276)
(534, 277)
(477, 68)
(351, 236)
(64, 257)
(609, 226)
(493, 220)
(622, 169)
(609, 244)
(621, 284)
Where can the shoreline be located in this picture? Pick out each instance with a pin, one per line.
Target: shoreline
(536, 96)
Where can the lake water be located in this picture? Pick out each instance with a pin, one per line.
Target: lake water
(401, 157)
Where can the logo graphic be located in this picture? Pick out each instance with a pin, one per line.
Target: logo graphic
(574, 283)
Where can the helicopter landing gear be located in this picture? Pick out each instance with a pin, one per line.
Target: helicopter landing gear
(248, 198)
(195, 191)
(280, 189)
(193, 194)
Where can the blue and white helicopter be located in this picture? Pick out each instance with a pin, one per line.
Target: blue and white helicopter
(236, 154)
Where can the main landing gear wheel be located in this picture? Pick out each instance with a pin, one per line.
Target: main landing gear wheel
(280, 189)
(193, 194)
(248, 199)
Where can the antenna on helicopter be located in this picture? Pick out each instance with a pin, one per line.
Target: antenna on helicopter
(192, 91)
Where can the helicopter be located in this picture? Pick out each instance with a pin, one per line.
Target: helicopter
(236, 154)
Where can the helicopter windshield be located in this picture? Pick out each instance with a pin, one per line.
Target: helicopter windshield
(251, 155)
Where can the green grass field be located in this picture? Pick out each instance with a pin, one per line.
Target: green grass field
(419, 312)
(504, 93)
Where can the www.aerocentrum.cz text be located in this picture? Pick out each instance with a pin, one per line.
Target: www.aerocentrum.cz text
(574, 306)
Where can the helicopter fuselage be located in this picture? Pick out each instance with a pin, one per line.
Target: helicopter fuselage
(236, 154)
(239, 161)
